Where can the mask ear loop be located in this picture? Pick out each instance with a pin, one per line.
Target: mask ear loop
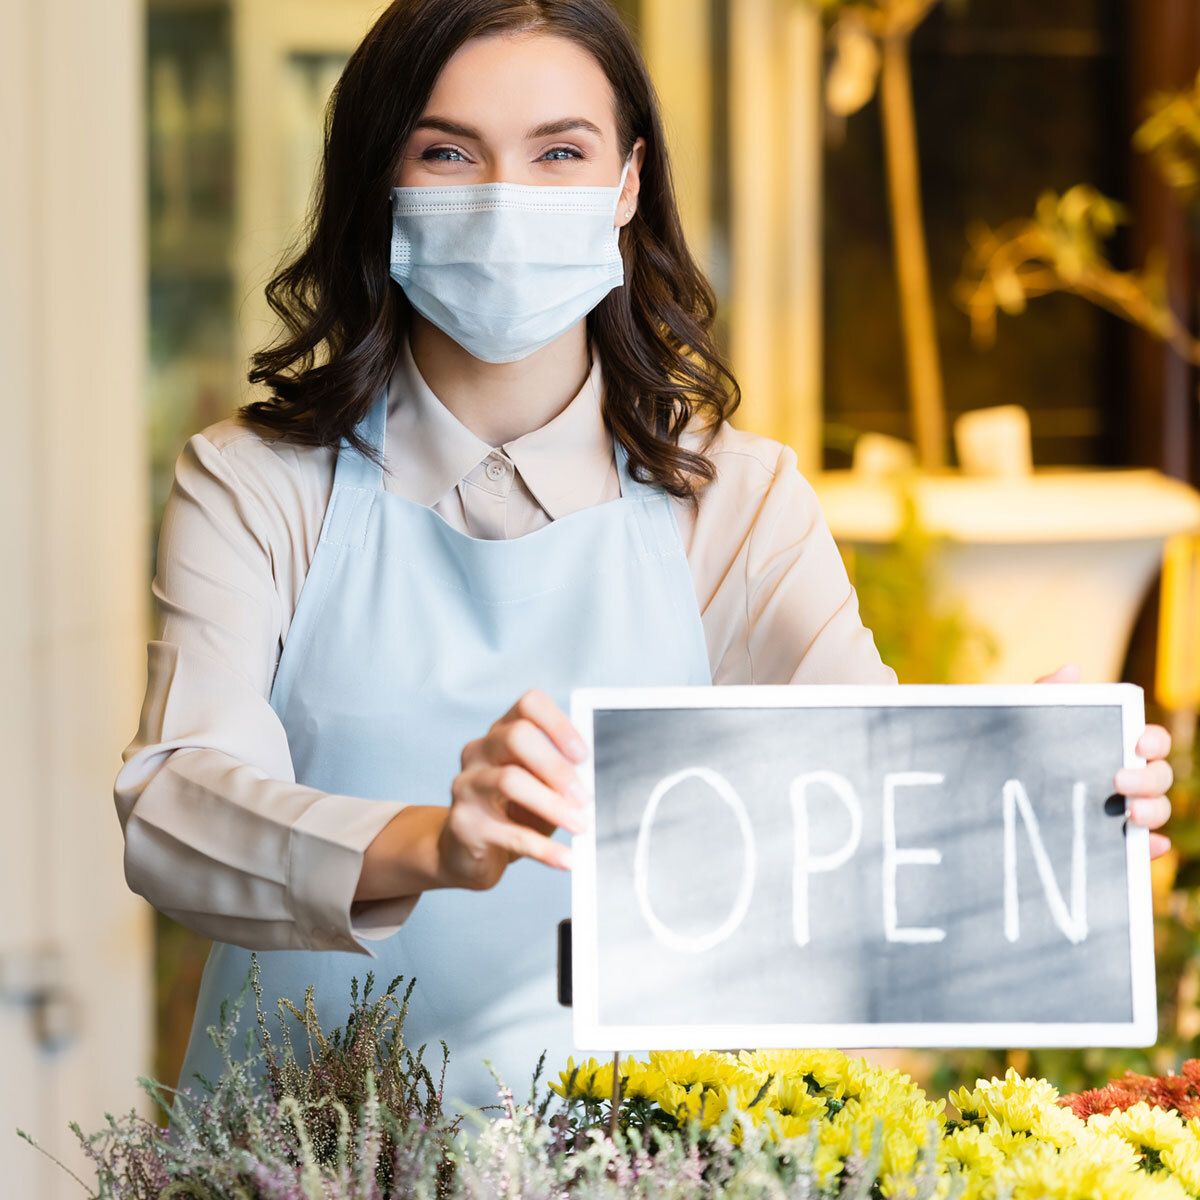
(621, 184)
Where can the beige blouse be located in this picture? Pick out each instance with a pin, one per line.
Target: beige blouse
(218, 833)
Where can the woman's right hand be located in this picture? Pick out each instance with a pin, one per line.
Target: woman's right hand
(516, 786)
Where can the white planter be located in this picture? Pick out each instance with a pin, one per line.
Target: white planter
(1055, 565)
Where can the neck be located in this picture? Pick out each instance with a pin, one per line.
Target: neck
(498, 402)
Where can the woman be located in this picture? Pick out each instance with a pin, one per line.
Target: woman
(495, 466)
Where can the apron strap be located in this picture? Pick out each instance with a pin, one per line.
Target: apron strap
(353, 469)
(629, 485)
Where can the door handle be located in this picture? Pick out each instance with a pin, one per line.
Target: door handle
(33, 978)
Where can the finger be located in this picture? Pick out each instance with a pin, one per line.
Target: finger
(1159, 845)
(539, 707)
(523, 742)
(1154, 779)
(1067, 673)
(523, 842)
(473, 751)
(514, 784)
(1152, 811)
(1155, 742)
(522, 816)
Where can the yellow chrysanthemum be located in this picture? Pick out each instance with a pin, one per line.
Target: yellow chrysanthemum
(643, 1081)
(988, 1093)
(1098, 1165)
(830, 1069)
(900, 1152)
(688, 1069)
(790, 1097)
(973, 1148)
(827, 1165)
(837, 1139)
(784, 1125)
(708, 1105)
(1183, 1161)
(1027, 1106)
(592, 1080)
(698, 1085)
(1148, 1129)
(973, 1185)
(1016, 1143)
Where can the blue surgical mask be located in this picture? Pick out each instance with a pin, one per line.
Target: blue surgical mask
(505, 268)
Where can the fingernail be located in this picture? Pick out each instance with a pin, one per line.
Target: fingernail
(1124, 779)
(576, 792)
(564, 858)
(578, 749)
(574, 822)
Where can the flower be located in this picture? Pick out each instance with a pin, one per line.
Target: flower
(1028, 1106)
(589, 1080)
(826, 1071)
(1149, 1130)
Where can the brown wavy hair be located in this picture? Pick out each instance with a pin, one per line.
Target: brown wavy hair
(343, 315)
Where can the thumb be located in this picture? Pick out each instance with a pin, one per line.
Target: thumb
(1067, 673)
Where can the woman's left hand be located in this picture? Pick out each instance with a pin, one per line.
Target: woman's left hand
(1146, 786)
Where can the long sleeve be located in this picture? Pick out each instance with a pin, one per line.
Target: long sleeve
(803, 612)
(775, 599)
(218, 833)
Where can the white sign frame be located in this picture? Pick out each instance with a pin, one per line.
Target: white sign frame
(591, 1034)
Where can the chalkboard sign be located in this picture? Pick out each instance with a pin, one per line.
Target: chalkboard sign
(860, 866)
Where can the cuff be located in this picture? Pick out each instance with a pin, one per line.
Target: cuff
(378, 919)
(325, 856)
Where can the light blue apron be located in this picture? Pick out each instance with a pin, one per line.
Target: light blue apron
(409, 639)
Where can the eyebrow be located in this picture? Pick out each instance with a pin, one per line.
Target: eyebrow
(547, 129)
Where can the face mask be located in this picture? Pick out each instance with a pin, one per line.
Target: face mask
(505, 268)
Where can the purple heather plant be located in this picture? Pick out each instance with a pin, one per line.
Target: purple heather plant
(362, 1119)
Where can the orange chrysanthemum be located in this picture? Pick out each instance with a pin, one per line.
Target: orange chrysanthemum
(1180, 1092)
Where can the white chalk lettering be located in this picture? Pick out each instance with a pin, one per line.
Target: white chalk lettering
(894, 858)
(1071, 919)
(804, 862)
(695, 944)
(1074, 923)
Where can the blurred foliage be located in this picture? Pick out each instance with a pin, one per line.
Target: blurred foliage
(1171, 135)
(856, 30)
(921, 635)
(1060, 248)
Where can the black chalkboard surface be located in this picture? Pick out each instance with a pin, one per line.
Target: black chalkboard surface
(860, 866)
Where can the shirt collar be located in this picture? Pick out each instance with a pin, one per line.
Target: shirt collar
(565, 464)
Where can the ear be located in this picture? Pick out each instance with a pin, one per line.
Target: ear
(628, 201)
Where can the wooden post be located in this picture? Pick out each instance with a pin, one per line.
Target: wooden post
(616, 1094)
(926, 402)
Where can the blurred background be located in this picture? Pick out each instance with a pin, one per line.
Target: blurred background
(955, 246)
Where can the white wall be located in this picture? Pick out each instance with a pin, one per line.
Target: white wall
(73, 537)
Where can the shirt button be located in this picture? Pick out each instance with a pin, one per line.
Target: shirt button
(496, 470)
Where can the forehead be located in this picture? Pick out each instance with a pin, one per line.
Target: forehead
(504, 84)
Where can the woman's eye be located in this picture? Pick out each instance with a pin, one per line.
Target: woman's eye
(569, 151)
(435, 154)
